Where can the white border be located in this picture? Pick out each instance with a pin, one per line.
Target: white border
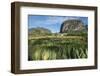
(25, 64)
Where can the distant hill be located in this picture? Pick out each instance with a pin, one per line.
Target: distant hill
(73, 25)
(38, 31)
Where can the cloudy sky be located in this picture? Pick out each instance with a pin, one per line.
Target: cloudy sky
(52, 23)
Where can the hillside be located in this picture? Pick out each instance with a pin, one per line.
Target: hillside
(72, 25)
(38, 31)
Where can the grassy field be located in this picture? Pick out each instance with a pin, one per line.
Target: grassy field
(57, 47)
(56, 37)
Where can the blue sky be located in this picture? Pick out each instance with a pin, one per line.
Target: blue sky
(52, 23)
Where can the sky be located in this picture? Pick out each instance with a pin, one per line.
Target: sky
(52, 23)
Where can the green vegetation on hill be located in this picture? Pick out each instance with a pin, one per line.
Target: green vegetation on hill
(57, 48)
(39, 31)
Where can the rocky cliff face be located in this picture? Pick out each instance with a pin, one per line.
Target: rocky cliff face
(72, 25)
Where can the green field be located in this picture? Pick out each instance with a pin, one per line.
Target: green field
(57, 47)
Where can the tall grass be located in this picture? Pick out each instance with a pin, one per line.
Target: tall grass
(57, 48)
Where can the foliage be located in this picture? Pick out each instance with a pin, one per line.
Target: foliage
(57, 48)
